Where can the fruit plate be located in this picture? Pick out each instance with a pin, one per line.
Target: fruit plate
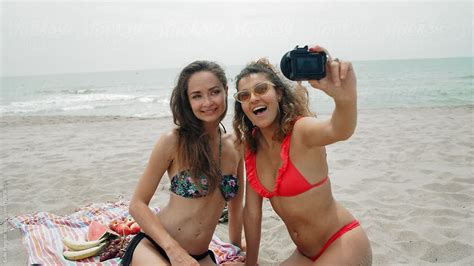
(43, 232)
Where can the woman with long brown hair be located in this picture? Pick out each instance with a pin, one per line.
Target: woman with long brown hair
(205, 171)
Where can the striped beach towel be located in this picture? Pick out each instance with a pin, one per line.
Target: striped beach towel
(43, 233)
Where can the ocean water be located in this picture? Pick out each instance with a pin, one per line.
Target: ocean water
(381, 84)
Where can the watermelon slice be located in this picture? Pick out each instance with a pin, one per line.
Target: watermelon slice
(98, 231)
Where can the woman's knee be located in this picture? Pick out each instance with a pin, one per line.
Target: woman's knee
(296, 259)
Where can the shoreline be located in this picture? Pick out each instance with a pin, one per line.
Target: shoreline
(9, 120)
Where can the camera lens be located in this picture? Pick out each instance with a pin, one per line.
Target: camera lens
(285, 65)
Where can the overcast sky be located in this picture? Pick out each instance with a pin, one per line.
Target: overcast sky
(69, 37)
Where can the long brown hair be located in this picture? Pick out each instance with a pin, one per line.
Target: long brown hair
(194, 149)
(293, 103)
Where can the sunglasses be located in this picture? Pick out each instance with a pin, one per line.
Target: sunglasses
(259, 90)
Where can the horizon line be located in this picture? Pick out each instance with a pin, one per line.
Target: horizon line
(224, 66)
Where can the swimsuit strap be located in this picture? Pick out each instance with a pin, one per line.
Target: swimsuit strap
(219, 159)
(346, 228)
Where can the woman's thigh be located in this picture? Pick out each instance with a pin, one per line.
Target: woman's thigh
(146, 254)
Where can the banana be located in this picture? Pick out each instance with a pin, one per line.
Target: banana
(81, 245)
(82, 254)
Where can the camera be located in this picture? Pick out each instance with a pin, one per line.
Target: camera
(300, 64)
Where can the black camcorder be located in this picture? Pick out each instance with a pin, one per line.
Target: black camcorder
(300, 64)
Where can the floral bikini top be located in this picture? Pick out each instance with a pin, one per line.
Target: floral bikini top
(182, 184)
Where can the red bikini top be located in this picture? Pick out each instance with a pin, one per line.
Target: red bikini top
(289, 181)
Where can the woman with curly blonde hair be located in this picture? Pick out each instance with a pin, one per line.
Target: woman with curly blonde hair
(285, 161)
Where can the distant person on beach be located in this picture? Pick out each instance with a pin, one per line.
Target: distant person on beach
(285, 160)
(205, 171)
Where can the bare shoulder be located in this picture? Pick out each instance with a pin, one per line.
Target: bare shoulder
(167, 142)
(306, 130)
(304, 122)
(229, 136)
(170, 136)
(229, 140)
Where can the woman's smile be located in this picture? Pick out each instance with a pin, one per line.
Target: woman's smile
(259, 110)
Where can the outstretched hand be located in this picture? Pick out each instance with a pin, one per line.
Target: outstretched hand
(340, 81)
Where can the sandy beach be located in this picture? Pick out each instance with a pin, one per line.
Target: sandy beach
(406, 174)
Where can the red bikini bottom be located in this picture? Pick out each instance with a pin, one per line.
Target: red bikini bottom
(346, 228)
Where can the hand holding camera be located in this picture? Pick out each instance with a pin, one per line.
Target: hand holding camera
(314, 64)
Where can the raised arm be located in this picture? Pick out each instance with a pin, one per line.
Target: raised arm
(252, 224)
(160, 159)
(340, 83)
(236, 209)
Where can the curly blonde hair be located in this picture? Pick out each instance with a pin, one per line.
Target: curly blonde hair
(293, 103)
